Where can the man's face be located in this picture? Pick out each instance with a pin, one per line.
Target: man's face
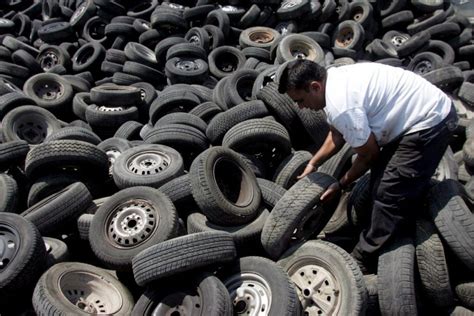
(311, 97)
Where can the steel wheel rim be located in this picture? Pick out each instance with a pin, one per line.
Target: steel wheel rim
(345, 37)
(112, 155)
(187, 65)
(90, 292)
(179, 304)
(49, 90)
(104, 108)
(32, 128)
(318, 289)
(132, 223)
(49, 61)
(261, 37)
(148, 162)
(290, 4)
(398, 40)
(423, 67)
(250, 294)
(9, 245)
(302, 51)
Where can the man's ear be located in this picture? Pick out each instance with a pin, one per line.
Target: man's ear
(316, 85)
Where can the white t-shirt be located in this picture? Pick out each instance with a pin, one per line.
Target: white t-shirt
(387, 101)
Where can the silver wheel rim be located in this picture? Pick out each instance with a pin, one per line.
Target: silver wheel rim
(345, 37)
(148, 163)
(112, 155)
(132, 223)
(250, 294)
(104, 108)
(49, 61)
(290, 4)
(423, 67)
(90, 292)
(187, 65)
(399, 40)
(9, 245)
(196, 40)
(179, 304)
(318, 290)
(32, 128)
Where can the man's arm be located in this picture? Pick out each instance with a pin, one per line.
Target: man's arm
(366, 155)
(333, 143)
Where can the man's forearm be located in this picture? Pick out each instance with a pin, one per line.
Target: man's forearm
(332, 145)
(358, 168)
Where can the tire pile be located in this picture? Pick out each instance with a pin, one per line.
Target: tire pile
(148, 163)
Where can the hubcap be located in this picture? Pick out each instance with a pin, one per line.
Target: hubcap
(250, 294)
(318, 290)
(9, 245)
(90, 292)
(148, 162)
(132, 223)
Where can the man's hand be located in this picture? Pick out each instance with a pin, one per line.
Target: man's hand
(309, 168)
(331, 192)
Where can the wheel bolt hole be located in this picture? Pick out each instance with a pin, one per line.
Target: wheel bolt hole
(81, 305)
(175, 313)
(240, 307)
(132, 223)
(306, 292)
(302, 273)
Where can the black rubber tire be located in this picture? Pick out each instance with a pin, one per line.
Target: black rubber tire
(442, 49)
(222, 122)
(284, 300)
(112, 117)
(225, 60)
(444, 31)
(80, 102)
(60, 103)
(214, 300)
(315, 124)
(220, 19)
(8, 194)
(88, 57)
(26, 266)
(356, 40)
(48, 157)
(239, 87)
(186, 50)
(83, 225)
(124, 177)
(291, 167)
(453, 219)
(57, 251)
(224, 202)
(468, 153)
(12, 152)
(466, 93)
(182, 118)
(337, 164)
(206, 111)
(435, 17)
(149, 74)
(57, 211)
(245, 236)
(23, 58)
(373, 307)
(181, 254)
(271, 192)
(74, 133)
(298, 209)
(465, 293)
(46, 121)
(446, 78)
(141, 54)
(335, 261)
(180, 193)
(432, 265)
(111, 95)
(360, 202)
(48, 185)
(154, 206)
(49, 297)
(398, 20)
(305, 46)
(13, 70)
(11, 100)
(396, 278)
(414, 43)
(52, 55)
(180, 100)
(425, 62)
(129, 130)
(199, 37)
(195, 74)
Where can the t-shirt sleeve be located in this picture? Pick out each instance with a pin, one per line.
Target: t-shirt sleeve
(354, 126)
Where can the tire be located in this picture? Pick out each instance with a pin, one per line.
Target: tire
(224, 202)
(432, 266)
(199, 37)
(12, 152)
(26, 262)
(436, 17)
(396, 278)
(360, 203)
(173, 101)
(304, 263)
(271, 192)
(180, 192)
(239, 86)
(222, 122)
(258, 36)
(305, 47)
(186, 50)
(298, 210)
(86, 158)
(146, 216)
(206, 290)
(348, 35)
(50, 91)
(453, 219)
(109, 117)
(182, 118)
(186, 70)
(147, 73)
(104, 292)
(111, 95)
(74, 133)
(425, 62)
(263, 137)
(220, 19)
(8, 194)
(339, 221)
(130, 168)
(206, 111)
(466, 94)
(129, 130)
(246, 237)
(315, 124)
(276, 294)
(57, 251)
(291, 167)
(412, 44)
(465, 293)
(48, 185)
(88, 57)
(56, 212)
(337, 164)
(442, 49)
(11, 100)
(83, 225)
(141, 54)
(398, 20)
(37, 123)
(181, 254)
(225, 60)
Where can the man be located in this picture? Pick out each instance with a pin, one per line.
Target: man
(397, 123)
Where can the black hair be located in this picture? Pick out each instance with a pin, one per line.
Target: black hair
(299, 73)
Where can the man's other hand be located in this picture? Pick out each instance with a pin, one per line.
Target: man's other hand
(309, 168)
(331, 192)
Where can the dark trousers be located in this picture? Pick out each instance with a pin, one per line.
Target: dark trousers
(400, 180)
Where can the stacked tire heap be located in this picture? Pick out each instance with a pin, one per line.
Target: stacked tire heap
(148, 164)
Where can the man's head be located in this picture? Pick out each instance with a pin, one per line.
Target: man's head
(304, 81)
